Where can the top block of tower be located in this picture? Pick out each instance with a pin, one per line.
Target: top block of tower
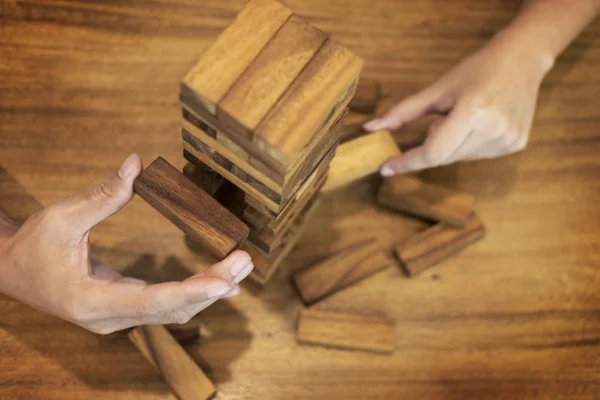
(273, 83)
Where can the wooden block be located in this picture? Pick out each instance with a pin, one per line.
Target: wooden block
(367, 96)
(413, 196)
(190, 208)
(269, 76)
(235, 49)
(268, 242)
(272, 226)
(353, 127)
(187, 333)
(339, 271)
(360, 158)
(436, 244)
(346, 331)
(321, 90)
(321, 170)
(265, 265)
(195, 150)
(204, 177)
(175, 365)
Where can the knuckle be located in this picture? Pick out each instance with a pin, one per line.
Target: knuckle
(103, 192)
(149, 308)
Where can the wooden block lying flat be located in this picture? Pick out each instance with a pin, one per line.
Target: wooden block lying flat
(436, 244)
(360, 157)
(175, 365)
(346, 331)
(269, 76)
(339, 271)
(235, 49)
(190, 208)
(366, 97)
(427, 200)
(204, 177)
(323, 88)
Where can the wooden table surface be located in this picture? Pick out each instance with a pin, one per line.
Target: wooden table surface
(517, 316)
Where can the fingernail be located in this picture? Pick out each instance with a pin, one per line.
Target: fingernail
(243, 274)
(239, 265)
(128, 167)
(372, 125)
(218, 291)
(233, 292)
(386, 170)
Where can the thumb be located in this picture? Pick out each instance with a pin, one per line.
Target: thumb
(110, 196)
(409, 109)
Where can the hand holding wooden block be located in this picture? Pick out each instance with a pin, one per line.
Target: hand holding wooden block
(360, 157)
(175, 365)
(190, 208)
(437, 243)
(346, 331)
(413, 196)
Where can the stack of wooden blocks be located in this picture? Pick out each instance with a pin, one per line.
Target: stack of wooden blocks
(264, 108)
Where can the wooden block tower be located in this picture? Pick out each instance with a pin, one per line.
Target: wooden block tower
(263, 108)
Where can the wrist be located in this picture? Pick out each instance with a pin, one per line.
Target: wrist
(530, 51)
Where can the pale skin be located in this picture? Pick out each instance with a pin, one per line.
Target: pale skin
(46, 264)
(487, 102)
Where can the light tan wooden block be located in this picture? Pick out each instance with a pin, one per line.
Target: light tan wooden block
(235, 49)
(346, 331)
(175, 365)
(436, 244)
(427, 200)
(360, 157)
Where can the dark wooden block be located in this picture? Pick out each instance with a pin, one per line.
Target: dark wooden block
(190, 208)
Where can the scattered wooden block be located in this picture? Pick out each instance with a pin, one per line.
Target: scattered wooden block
(339, 271)
(190, 208)
(427, 200)
(185, 334)
(346, 331)
(175, 365)
(360, 157)
(235, 49)
(367, 96)
(269, 76)
(436, 244)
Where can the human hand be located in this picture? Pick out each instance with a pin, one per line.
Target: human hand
(46, 264)
(487, 102)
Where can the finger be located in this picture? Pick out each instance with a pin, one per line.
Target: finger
(101, 271)
(444, 138)
(109, 197)
(234, 268)
(409, 109)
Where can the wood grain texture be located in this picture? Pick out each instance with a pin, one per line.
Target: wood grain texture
(204, 177)
(177, 368)
(427, 200)
(360, 157)
(340, 270)
(437, 243)
(235, 49)
(319, 92)
(190, 208)
(269, 76)
(346, 331)
(366, 97)
(85, 83)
